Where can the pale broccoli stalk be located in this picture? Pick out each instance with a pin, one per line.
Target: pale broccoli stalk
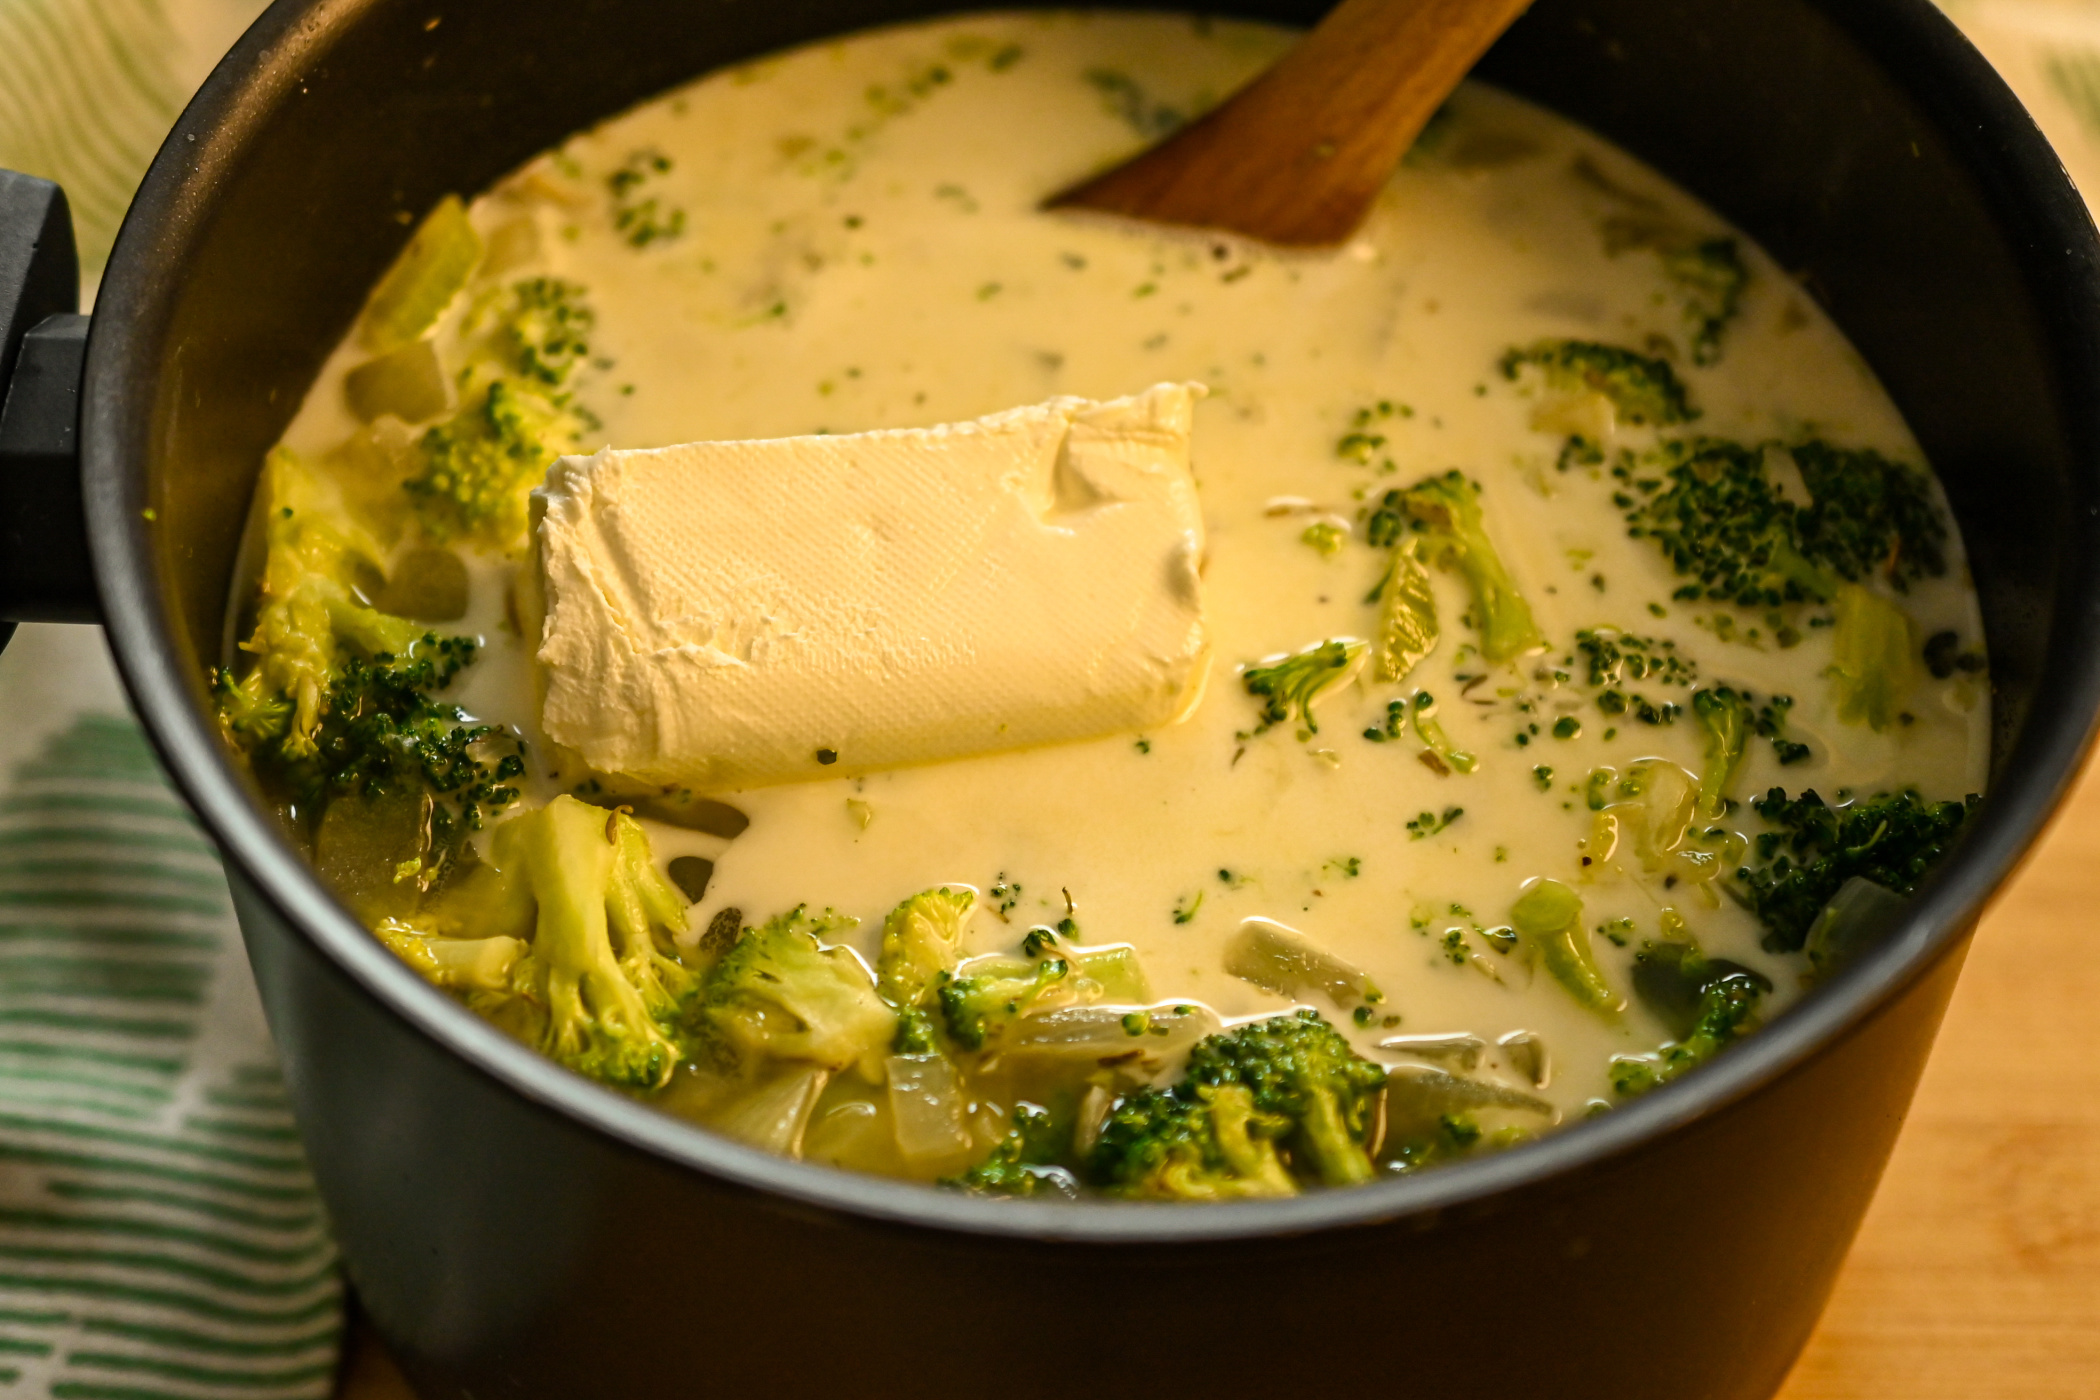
(1548, 917)
(921, 944)
(608, 988)
(307, 613)
(1873, 655)
(1726, 723)
(1446, 510)
(780, 993)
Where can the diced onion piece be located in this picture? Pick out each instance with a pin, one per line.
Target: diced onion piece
(1417, 1096)
(429, 273)
(1105, 1031)
(408, 382)
(1284, 961)
(775, 1114)
(1116, 971)
(926, 1105)
(482, 963)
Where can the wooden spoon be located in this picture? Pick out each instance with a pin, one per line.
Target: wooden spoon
(1296, 157)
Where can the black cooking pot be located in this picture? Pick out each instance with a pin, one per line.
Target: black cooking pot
(516, 1231)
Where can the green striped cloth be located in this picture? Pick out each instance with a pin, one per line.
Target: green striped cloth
(159, 1233)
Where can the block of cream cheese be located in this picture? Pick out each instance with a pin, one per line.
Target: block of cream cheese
(723, 615)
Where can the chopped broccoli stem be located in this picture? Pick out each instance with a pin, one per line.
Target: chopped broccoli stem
(1725, 725)
(1445, 512)
(1548, 916)
(429, 272)
(1642, 391)
(1873, 658)
(1812, 849)
(1290, 686)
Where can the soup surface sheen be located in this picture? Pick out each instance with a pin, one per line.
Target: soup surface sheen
(847, 237)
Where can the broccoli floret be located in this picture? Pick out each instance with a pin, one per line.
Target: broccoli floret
(1710, 278)
(780, 994)
(1301, 1069)
(1194, 1142)
(308, 618)
(341, 700)
(1642, 391)
(600, 989)
(440, 257)
(1708, 1005)
(1893, 840)
(995, 992)
(1445, 511)
(1873, 658)
(479, 466)
(1617, 658)
(1870, 515)
(1725, 724)
(921, 943)
(1712, 508)
(1771, 724)
(1290, 686)
(1025, 1161)
(1714, 512)
(1548, 917)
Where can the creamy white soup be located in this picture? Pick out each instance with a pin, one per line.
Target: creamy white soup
(1590, 661)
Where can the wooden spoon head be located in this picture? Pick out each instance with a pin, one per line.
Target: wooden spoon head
(1297, 157)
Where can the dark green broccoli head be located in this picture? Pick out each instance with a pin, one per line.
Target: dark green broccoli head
(1194, 1142)
(1893, 840)
(1712, 507)
(1025, 1161)
(1643, 391)
(544, 329)
(1709, 1004)
(1300, 1068)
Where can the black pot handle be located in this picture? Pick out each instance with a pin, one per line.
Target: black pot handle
(44, 570)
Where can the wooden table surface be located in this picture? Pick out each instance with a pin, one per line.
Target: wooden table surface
(1977, 1274)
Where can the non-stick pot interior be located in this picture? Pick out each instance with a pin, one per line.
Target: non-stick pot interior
(1922, 210)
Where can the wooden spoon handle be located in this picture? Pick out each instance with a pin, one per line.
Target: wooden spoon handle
(1296, 157)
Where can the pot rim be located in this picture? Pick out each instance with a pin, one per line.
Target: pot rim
(1946, 77)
